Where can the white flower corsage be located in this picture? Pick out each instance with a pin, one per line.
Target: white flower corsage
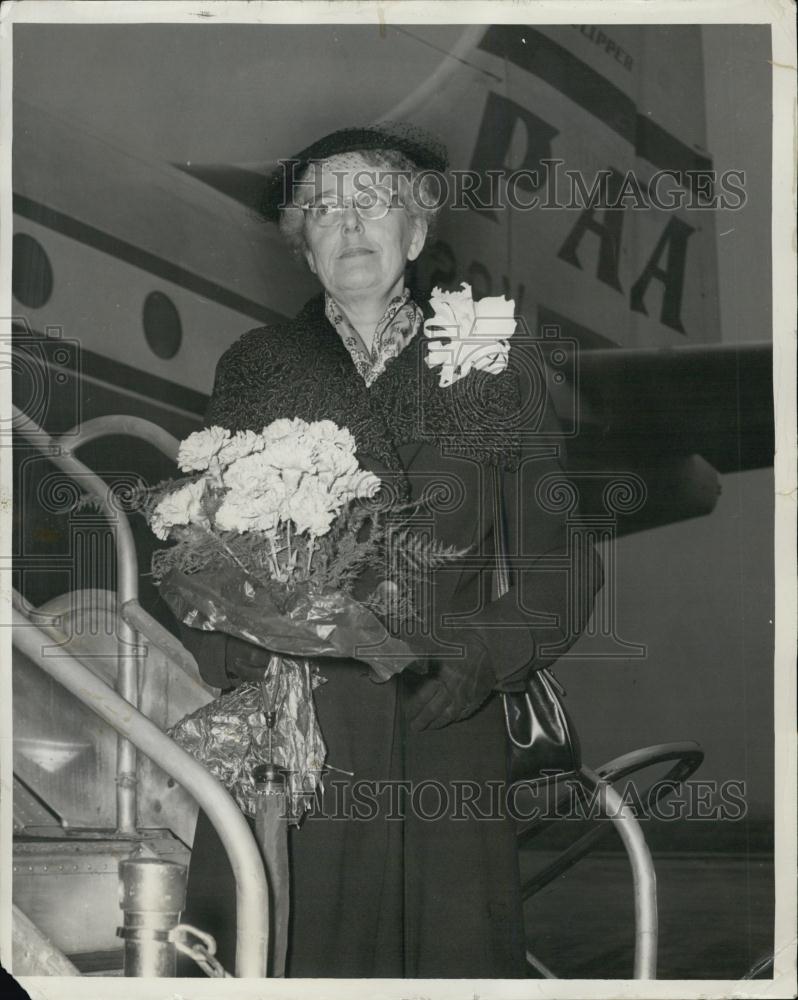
(476, 333)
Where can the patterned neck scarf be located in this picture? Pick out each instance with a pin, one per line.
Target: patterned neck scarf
(400, 322)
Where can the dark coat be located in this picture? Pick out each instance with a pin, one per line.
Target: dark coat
(426, 895)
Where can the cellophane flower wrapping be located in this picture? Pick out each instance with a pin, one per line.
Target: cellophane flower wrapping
(306, 622)
(231, 737)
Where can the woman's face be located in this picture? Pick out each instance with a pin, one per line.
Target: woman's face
(356, 257)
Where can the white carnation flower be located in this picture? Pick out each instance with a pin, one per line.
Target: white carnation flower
(239, 512)
(331, 462)
(160, 528)
(316, 520)
(184, 506)
(311, 508)
(252, 475)
(292, 457)
(283, 428)
(329, 431)
(233, 514)
(477, 333)
(240, 445)
(357, 485)
(199, 448)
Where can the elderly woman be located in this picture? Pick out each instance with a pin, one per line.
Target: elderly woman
(409, 867)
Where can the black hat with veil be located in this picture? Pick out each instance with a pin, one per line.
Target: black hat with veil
(424, 149)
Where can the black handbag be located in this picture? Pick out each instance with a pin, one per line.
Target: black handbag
(542, 740)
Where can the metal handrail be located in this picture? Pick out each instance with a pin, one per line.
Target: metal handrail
(252, 897)
(122, 423)
(159, 637)
(644, 877)
(133, 613)
(60, 451)
(622, 818)
(688, 755)
(118, 709)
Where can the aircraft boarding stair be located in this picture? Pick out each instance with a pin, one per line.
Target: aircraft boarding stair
(97, 782)
(66, 846)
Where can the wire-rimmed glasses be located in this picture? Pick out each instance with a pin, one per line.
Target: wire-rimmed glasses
(369, 203)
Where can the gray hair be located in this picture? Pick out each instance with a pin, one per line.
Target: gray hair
(419, 193)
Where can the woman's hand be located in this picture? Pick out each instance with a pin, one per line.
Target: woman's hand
(451, 690)
(244, 661)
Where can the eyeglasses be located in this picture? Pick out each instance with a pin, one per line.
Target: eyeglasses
(370, 203)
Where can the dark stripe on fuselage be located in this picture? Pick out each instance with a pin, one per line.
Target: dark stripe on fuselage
(535, 53)
(133, 381)
(142, 259)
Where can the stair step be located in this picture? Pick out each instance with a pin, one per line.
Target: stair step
(99, 963)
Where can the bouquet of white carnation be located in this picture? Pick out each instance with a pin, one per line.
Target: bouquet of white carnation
(272, 531)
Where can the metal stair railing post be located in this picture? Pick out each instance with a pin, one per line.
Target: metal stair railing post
(643, 875)
(688, 757)
(130, 611)
(252, 898)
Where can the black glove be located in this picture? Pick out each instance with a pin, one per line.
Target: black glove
(244, 661)
(223, 660)
(451, 690)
